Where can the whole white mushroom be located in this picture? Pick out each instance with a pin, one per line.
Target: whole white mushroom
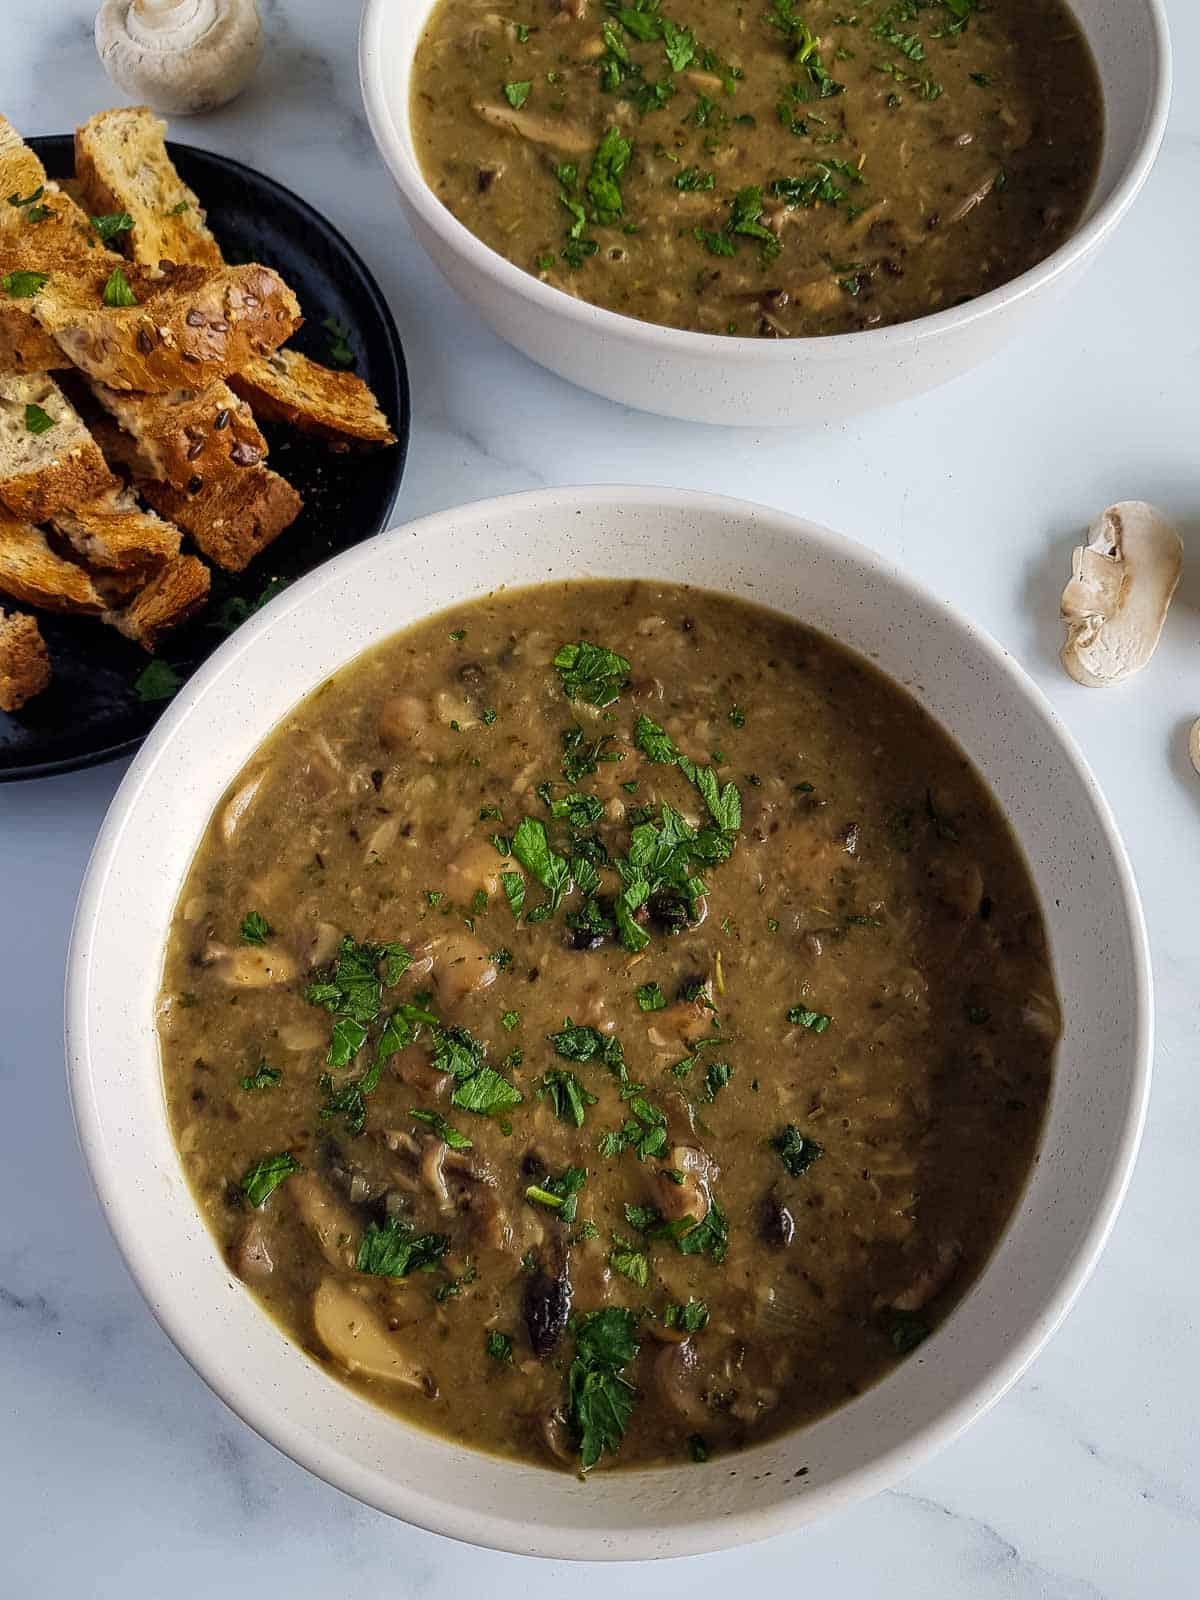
(179, 56)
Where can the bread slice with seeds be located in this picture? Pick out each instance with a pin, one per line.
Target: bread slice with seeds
(32, 572)
(24, 661)
(48, 460)
(336, 407)
(171, 597)
(122, 164)
(115, 534)
(186, 433)
(183, 330)
(230, 518)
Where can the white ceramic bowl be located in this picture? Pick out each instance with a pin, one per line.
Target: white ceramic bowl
(701, 377)
(977, 693)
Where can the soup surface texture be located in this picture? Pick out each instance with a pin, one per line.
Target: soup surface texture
(607, 1022)
(762, 169)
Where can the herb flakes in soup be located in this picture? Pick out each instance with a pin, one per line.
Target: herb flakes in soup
(667, 1118)
(777, 168)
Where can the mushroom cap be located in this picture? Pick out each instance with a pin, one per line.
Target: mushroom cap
(1121, 584)
(179, 56)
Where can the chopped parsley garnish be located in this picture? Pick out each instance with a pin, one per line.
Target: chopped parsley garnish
(255, 928)
(691, 1317)
(262, 1179)
(23, 285)
(17, 199)
(393, 1249)
(517, 93)
(795, 1150)
(498, 1345)
(486, 1092)
(629, 1261)
(650, 997)
(445, 1131)
(566, 1094)
(109, 226)
(599, 1400)
(157, 681)
(263, 1077)
(117, 291)
(353, 984)
(510, 1019)
(37, 420)
(805, 52)
(692, 178)
(559, 1194)
(743, 222)
(337, 336)
(603, 184)
(513, 885)
(592, 673)
(709, 1237)
(698, 1447)
(737, 716)
(532, 849)
(580, 810)
(814, 1021)
(716, 1078)
(580, 759)
(179, 208)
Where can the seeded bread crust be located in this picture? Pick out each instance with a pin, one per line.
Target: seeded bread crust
(24, 661)
(232, 518)
(41, 473)
(187, 433)
(336, 407)
(171, 597)
(30, 571)
(190, 327)
(114, 534)
(121, 163)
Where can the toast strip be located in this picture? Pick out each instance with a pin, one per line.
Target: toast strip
(35, 574)
(187, 433)
(48, 459)
(114, 534)
(171, 597)
(232, 518)
(188, 328)
(24, 662)
(336, 407)
(122, 164)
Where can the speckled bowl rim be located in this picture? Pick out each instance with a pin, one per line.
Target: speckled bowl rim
(245, 1392)
(735, 348)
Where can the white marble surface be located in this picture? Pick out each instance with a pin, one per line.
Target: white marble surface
(123, 1476)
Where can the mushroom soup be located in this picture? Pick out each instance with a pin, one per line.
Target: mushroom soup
(773, 168)
(608, 1023)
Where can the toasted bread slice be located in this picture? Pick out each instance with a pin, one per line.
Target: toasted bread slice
(43, 468)
(24, 662)
(232, 517)
(114, 534)
(186, 434)
(189, 326)
(336, 407)
(171, 597)
(122, 164)
(32, 572)
(47, 234)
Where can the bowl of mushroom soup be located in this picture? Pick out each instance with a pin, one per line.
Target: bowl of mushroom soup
(796, 225)
(314, 1382)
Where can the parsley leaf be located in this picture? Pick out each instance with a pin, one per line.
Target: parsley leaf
(691, 1317)
(591, 672)
(337, 336)
(566, 1094)
(814, 1021)
(517, 93)
(559, 1194)
(255, 928)
(37, 420)
(795, 1150)
(261, 1180)
(117, 291)
(599, 1400)
(629, 1261)
(263, 1077)
(393, 1249)
(650, 997)
(532, 849)
(23, 285)
(486, 1092)
(498, 1345)
(445, 1131)
(114, 223)
(157, 681)
(603, 185)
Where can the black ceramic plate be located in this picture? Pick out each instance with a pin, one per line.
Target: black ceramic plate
(92, 710)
